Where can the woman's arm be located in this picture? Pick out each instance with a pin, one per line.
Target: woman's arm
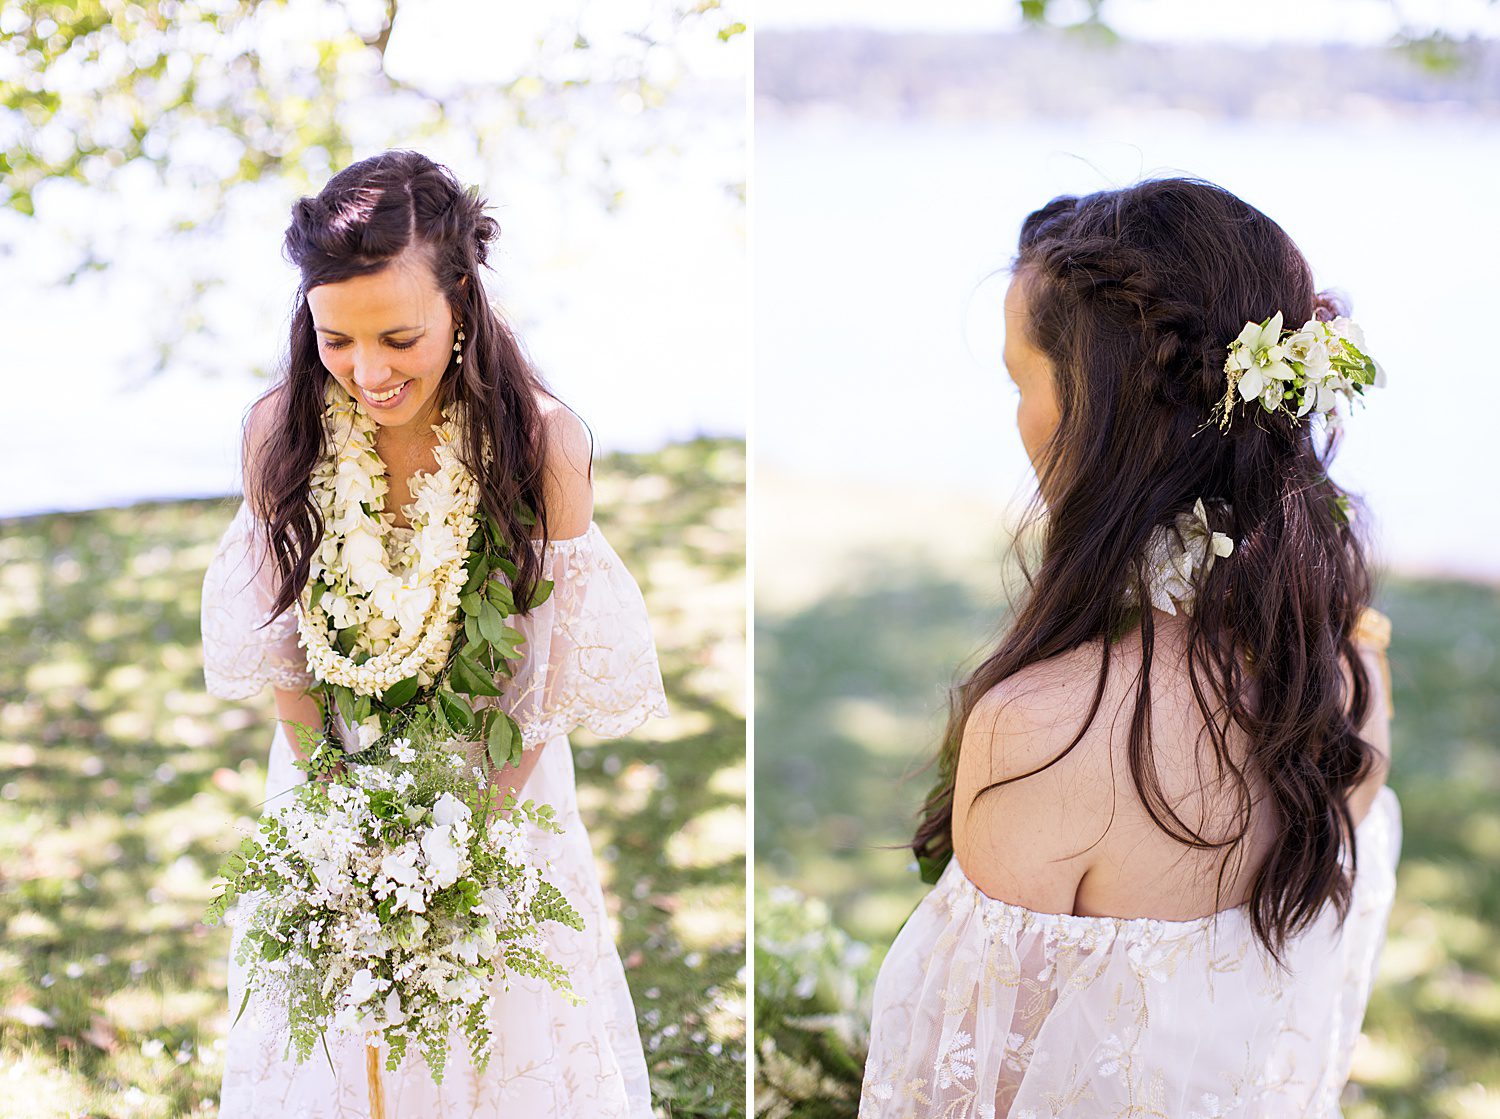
(1371, 638)
(293, 706)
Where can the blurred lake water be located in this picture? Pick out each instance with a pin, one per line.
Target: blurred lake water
(878, 325)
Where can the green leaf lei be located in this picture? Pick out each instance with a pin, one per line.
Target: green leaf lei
(490, 647)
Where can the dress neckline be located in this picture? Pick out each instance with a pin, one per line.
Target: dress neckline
(1081, 923)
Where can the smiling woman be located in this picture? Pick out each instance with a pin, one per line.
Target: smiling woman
(417, 550)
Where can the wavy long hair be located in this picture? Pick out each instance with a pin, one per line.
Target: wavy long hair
(365, 216)
(1134, 296)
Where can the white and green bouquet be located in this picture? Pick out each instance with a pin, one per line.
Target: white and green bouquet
(387, 898)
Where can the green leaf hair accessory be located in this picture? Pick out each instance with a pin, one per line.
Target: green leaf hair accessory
(1298, 371)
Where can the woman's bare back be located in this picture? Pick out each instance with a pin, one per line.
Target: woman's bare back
(1107, 855)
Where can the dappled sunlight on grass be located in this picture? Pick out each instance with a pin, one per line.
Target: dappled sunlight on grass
(123, 784)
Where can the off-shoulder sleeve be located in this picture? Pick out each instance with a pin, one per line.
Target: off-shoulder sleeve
(239, 588)
(590, 658)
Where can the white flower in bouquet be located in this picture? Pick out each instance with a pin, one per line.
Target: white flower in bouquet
(362, 987)
(466, 949)
(368, 732)
(326, 872)
(443, 854)
(464, 987)
(393, 1015)
(401, 880)
(448, 809)
(496, 902)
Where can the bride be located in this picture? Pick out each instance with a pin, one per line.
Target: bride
(392, 326)
(1163, 848)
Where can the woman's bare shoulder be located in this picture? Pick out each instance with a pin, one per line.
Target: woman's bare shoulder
(260, 421)
(567, 469)
(1027, 719)
(1028, 841)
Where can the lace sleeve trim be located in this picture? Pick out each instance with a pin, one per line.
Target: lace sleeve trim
(591, 660)
(240, 659)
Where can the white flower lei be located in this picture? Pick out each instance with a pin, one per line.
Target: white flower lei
(397, 588)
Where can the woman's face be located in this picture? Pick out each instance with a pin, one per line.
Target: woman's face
(388, 332)
(1036, 412)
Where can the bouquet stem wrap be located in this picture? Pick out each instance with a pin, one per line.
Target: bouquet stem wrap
(372, 1070)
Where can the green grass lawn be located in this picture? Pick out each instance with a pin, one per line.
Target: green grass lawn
(122, 785)
(860, 628)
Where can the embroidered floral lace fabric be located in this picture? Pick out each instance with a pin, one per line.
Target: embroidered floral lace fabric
(590, 661)
(985, 1010)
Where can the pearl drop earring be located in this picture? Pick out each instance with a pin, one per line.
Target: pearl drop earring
(458, 346)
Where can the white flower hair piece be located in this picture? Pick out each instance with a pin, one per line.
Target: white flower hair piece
(1176, 553)
(1298, 371)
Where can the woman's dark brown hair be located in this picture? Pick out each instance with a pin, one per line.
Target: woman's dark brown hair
(367, 215)
(1134, 296)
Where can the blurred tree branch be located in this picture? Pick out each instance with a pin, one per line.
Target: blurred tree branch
(216, 94)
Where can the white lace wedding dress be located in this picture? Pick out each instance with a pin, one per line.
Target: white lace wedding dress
(987, 1010)
(590, 661)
